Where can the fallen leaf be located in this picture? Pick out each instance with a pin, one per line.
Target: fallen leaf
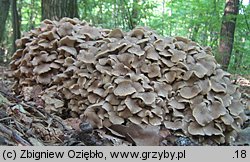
(3, 100)
(74, 123)
(141, 136)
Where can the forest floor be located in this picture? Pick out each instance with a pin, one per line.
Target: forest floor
(22, 123)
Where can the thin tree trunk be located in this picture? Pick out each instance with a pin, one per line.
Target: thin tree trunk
(227, 32)
(57, 9)
(15, 24)
(115, 13)
(4, 9)
(238, 60)
(163, 17)
(195, 32)
(127, 14)
(135, 14)
(31, 16)
(100, 21)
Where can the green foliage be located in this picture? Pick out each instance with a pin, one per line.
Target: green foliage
(240, 60)
(199, 20)
(30, 15)
(30, 12)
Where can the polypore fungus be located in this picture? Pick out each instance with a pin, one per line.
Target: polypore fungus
(114, 77)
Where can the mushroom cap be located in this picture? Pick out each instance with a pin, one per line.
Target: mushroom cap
(91, 32)
(202, 114)
(116, 33)
(162, 89)
(177, 55)
(235, 108)
(115, 119)
(208, 130)
(147, 97)
(86, 56)
(43, 68)
(136, 49)
(132, 105)
(70, 50)
(124, 88)
(138, 33)
(154, 71)
(175, 104)
(189, 92)
(151, 53)
(173, 125)
(67, 41)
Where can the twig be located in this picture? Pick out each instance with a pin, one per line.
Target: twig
(6, 118)
(14, 135)
(20, 127)
(10, 96)
(34, 109)
(56, 119)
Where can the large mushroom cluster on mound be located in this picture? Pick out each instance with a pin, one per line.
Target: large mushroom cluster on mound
(115, 77)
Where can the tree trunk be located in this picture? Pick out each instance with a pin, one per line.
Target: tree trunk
(163, 17)
(195, 32)
(227, 32)
(135, 14)
(237, 60)
(4, 9)
(31, 16)
(15, 24)
(57, 9)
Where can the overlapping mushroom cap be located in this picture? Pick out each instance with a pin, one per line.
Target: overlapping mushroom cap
(115, 77)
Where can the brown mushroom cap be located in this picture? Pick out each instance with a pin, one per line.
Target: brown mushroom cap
(136, 49)
(175, 104)
(116, 33)
(147, 97)
(40, 69)
(208, 130)
(132, 105)
(202, 114)
(70, 50)
(162, 89)
(189, 92)
(151, 53)
(177, 55)
(86, 57)
(236, 108)
(124, 88)
(67, 41)
(173, 125)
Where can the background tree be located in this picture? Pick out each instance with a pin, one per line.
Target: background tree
(135, 13)
(57, 9)
(15, 24)
(227, 32)
(4, 9)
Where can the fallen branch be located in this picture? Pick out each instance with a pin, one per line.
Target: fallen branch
(14, 135)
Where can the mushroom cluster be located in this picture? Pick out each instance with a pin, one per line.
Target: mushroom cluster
(115, 77)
